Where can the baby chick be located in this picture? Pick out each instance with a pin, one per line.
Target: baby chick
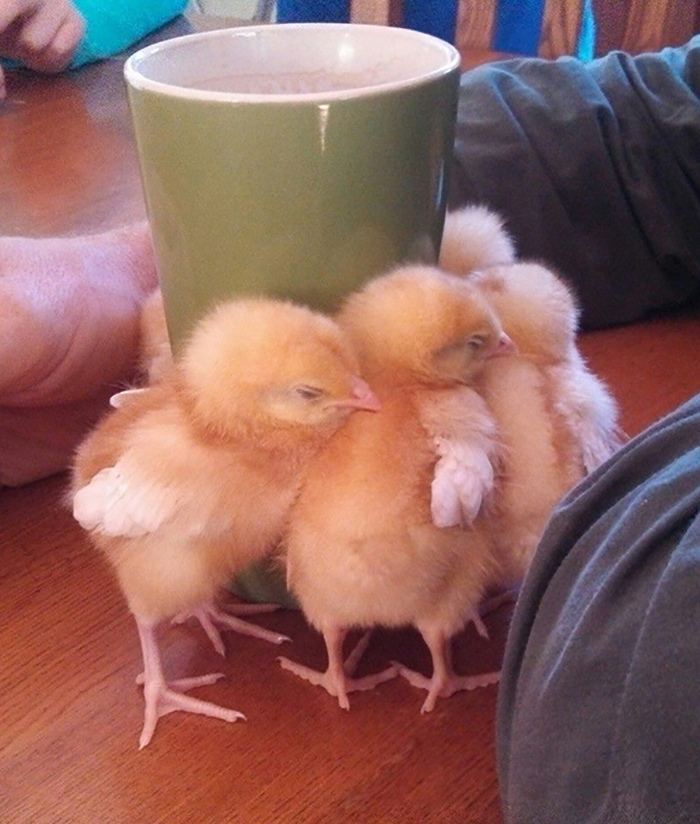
(192, 480)
(155, 355)
(363, 548)
(557, 420)
(155, 358)
(474, 237)
(540, 313)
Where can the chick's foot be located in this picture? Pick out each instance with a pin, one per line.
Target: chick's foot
(162, 698)
(212, 619)
(336, 683)
(444, 686)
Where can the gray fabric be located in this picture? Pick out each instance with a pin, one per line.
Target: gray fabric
(599, 715)
(596, 167)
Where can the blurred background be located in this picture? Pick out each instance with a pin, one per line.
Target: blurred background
(546, 28)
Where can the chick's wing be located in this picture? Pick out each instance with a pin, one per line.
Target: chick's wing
(144, 470)
(118, 503)
(464, 436)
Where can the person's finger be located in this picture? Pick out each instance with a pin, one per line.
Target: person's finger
(10, 39)
(12, 10)
(42, 37)
(68, 36)
(39, 28)
(3, 90)
(60, 51)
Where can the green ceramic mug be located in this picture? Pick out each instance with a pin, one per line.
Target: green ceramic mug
(291, 160)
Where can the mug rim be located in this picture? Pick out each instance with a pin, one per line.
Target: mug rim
(138, 81)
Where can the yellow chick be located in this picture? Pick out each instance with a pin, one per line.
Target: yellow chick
(155, 354)
(557, 420)
(474, 237)
(362, 546)
(155, 358)
(192, 480)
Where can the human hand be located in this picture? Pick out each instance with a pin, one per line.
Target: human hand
(42, 34)
(69, 336)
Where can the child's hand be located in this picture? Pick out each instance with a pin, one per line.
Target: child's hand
(42, 34)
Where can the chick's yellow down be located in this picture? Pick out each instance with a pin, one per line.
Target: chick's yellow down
(558, 421)
(192, 480)
(363, 547)
(155, 355)
(473, 238)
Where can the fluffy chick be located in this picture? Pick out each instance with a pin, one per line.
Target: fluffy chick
(557, 420)
(155, 354)
(363, 547)
(155, 357)
(474, 237)
(192, 480)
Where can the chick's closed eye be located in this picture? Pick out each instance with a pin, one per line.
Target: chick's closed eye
(308, 393)
(310, 404)
(460, 359)
(292, 402)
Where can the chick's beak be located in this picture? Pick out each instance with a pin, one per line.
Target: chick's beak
(505, 346)
(361, 397)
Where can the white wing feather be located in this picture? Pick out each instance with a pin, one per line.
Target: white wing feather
(115, 504)
(120, 398)
(465, 439)
(463, 476)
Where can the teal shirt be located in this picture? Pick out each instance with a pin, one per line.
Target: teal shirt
(113, 25)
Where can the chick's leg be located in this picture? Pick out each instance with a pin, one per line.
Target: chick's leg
(444, 681)
(162, 698)
(335, 680)
(212, 618)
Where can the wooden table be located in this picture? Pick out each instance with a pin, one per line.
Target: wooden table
(67, 155)
(71, 713)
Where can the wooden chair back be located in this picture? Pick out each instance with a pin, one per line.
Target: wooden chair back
(561, 27)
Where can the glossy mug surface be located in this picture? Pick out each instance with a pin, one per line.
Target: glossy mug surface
(291, 160)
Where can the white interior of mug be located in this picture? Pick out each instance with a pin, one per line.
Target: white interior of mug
(290, 62)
